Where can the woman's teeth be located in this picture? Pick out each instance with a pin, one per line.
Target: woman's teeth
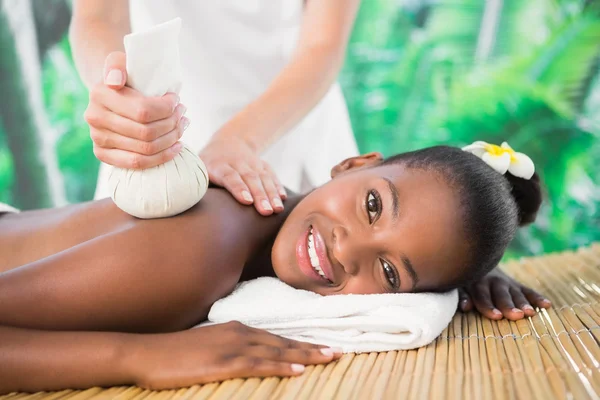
(312, 253)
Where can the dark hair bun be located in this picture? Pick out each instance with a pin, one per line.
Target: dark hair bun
(528, 195)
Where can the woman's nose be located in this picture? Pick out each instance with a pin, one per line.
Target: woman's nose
(346, 250)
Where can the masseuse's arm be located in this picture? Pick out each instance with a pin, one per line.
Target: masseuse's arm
(128, 129)
(97, 29)
(232, 155)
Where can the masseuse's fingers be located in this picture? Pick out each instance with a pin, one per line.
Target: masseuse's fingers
(255, 184)
(133, 129)
(280, 189)
(503, 299)
(115, 70)
(157, 136)
(131, 104)
(129, 160)
(116, 146)
(126, 101)
(231, 180)
(269, 184)
(482, 299)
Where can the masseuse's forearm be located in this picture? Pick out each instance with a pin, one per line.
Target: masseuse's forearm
(97, 29)
(299, 87)
(310, 73)
(32, 360)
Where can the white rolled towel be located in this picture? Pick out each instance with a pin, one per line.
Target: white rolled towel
(5, 208)
(154, 69)
(354, 323)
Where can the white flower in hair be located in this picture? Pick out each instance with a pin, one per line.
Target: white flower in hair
(503, 158)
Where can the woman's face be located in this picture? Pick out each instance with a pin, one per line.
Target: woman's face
(383, 229)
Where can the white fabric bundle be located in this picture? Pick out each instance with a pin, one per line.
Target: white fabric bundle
(354, 323)
(154, 69)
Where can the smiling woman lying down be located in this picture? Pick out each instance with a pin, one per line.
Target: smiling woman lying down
(90, 296)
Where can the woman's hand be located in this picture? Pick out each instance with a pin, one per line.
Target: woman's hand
(234, 165)
(219, 352)
(130, 130)
(497, 295)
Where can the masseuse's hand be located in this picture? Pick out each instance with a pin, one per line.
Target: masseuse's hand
(497, 295)
(218, 352)
(130, 130)
(234, 165)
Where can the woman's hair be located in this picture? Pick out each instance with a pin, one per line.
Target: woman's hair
(492, 205)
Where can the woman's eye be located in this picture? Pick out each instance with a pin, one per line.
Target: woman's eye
(391, 274)
(373, 205)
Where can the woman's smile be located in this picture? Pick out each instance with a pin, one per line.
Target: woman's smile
(311, 254)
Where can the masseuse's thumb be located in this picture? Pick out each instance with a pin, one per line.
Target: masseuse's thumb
(115, 74)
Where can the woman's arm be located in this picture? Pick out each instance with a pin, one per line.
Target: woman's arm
(32, 360)
(232, 155)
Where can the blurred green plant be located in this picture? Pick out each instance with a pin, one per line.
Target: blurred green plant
(66, 100)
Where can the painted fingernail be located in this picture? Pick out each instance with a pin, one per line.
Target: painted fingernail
(496, 311)
(517, 310)
(176, 103)
(546, 302)
(266, 205)
(246, 195)
(326, 352)
(277, 202)
(176, 148)
(527, 307)
(114, 77)
(183, 109)
(463, 302)
(297, 367)
(184, 123)
(282, 193)
(337, 350)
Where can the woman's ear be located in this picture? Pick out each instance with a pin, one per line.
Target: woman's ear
(365, 160)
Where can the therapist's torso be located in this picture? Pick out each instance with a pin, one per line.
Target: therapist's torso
(231, 50)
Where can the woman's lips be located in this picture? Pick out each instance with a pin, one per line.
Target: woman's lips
(321, 250)
(304, 259)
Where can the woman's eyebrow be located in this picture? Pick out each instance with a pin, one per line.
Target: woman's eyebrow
(395, 202)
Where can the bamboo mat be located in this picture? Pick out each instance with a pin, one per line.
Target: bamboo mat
(554, 355)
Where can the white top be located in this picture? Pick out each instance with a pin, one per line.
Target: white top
(231, 50)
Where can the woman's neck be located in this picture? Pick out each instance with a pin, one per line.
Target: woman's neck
(260, 263)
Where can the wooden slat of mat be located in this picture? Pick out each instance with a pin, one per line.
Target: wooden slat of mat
(553, 355)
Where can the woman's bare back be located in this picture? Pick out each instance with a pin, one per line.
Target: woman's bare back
(33, 235)
(93, 267)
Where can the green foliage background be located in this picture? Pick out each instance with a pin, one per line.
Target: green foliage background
(420, 73)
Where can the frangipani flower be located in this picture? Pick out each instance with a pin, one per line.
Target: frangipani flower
(503, 158)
